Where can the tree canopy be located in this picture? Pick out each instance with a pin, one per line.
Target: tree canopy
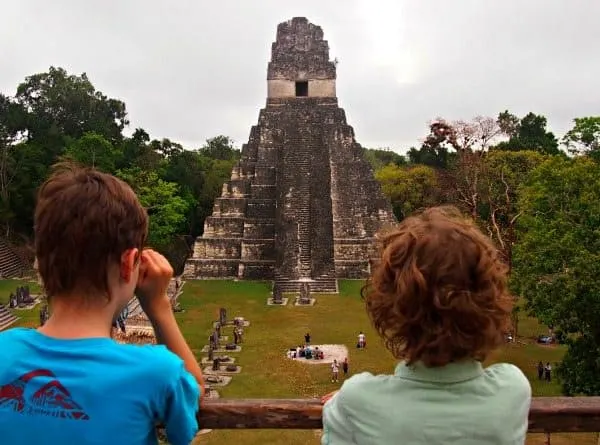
(557, 261)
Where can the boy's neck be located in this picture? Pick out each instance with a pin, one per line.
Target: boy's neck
(73, 321)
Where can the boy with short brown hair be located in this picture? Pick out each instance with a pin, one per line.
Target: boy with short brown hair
(68, 381)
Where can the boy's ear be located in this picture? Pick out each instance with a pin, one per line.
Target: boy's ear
(129, 260)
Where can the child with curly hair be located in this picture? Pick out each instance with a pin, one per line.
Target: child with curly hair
(439, 300)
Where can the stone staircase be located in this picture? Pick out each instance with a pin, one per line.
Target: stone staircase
(308, 256)
(135, 312)
(320, 285)
(11, 266)
(7, 318)
(303, 171)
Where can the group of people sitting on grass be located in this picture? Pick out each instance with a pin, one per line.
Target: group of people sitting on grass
(21, 298)
(307, 352)
(437, 296)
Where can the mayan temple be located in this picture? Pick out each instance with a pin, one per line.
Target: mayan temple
(302, 203)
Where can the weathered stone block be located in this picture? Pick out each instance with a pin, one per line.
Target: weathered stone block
(260, 208)
(261, 249)
(218, 248)
(259, 229)
(230, 207)
(226, 227)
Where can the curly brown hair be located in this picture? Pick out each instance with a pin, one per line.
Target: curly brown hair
(439, 292)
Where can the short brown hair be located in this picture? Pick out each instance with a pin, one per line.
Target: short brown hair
(439, 293)
(84, 220)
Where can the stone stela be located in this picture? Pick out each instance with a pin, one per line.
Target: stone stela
(303, 201)
(277, 298)
(305, 294)
(305, 298)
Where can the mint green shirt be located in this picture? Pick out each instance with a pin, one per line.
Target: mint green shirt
(461, 403)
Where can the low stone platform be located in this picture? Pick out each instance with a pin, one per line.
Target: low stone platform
(330, 353)
(223, 380)
(245, 324)
(206, 348)
(222, 370)
(206, 361)
(312, 302)
(271, 302)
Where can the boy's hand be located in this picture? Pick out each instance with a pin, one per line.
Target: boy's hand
(153, 282)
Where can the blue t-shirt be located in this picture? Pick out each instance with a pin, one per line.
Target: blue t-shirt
(92, 391)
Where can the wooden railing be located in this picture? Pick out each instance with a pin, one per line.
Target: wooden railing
(547, 414)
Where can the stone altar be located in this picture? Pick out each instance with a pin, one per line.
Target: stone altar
(303, 201)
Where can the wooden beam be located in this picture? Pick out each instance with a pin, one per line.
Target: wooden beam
(564, 414)
(547, 414)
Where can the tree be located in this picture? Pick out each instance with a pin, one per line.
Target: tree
(60, 104)
(435, 149)
(189, 170)
(380, 157)
(504, 172)
(409, 188)
(220, 147)
(557, 262)
(584, 137)
(94, 150)
(166, 210)
(528, 134)
(12, 125)
(508, 123)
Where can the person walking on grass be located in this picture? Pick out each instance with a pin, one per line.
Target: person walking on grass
(440, 300)
(548, 372)
(345, 367)
(361, 340)
(540, 370)
(335, 370)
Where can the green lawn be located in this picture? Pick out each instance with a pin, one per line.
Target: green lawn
(335, 319)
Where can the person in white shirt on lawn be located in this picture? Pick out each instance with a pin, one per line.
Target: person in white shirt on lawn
(335, 370)
(361, 340)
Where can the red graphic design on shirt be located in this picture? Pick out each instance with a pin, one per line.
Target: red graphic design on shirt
(52, 399)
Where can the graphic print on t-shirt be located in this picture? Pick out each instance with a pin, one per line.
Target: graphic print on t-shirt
(51, 399)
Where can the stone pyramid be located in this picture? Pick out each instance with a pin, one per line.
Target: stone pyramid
(302, 204)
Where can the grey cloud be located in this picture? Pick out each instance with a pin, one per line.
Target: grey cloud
(189, 70)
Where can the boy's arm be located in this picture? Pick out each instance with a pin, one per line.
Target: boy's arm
(153, 282)
(168, 333)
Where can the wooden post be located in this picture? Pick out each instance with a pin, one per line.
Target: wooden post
(547, 414)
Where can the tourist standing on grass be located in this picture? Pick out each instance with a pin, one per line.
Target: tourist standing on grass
(335, 371)
(361, 340)
(440, 301)
(90, 232)
(548, 372)
(345, 367)
(541, 369)
(307, 338)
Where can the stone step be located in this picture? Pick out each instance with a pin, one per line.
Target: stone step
(10, 264)
(7, 318)
(318, 286)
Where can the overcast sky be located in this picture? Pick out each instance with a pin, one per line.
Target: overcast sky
(192, 69)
